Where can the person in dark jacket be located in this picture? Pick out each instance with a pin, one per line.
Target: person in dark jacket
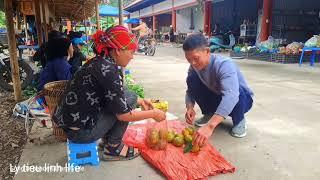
(57, 67)
(40, 55)
(78, 56)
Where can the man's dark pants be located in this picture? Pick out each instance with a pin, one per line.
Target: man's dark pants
(209, 101)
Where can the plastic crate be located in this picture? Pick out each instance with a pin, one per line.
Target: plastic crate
(238, 54)
(260, 56)
(289, 58)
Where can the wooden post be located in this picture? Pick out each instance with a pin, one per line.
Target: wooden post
(44, 17)
(173, 17)
(266, 20)
(13, 51)
(25, 27)
(154, 24)
(19, 21)
(97, 15)
(174, 20)
(120, 12)
(207, 17)
(38, 21)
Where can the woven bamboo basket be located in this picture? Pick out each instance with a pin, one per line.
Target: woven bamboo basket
(53, 92)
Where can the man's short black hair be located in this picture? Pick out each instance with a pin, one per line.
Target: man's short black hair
(54, 34)
(195, 41)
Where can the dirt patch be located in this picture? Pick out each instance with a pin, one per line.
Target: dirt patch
(12, 136)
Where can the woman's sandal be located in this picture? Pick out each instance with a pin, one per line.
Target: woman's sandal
(119, 152)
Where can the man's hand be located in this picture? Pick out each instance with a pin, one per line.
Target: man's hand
(190, 115)
(203, 134)
(146, 104)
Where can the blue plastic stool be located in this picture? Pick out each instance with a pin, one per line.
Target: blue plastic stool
(313, 57)
(81, 154)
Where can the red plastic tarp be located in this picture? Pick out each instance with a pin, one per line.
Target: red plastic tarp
(172, 162)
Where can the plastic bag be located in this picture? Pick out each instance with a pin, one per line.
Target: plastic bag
(156, 135)
(313, 42)
(294, 48)
(172, 162)
(267, 45)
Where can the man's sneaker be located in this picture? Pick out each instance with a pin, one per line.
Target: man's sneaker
(203, 120)
(239, 130)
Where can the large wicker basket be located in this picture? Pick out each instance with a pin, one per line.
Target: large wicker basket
(53, 92)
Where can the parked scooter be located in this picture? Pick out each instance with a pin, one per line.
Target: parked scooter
(25, 71)
(147, 46)
(219, 42)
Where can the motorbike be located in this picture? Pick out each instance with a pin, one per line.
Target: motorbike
(219, 42)
(147, 46)
(25, 71)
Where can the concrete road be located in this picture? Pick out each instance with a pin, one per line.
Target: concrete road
(283, 126)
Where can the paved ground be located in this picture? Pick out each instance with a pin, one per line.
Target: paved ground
(282, 141)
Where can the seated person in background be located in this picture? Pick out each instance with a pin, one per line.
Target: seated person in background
(57, 67)
(74, 34)
(78, 57)
(40, 55)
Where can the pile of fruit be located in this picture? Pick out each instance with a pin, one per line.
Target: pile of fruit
(157, 139)
(162, 105)
(185, 139)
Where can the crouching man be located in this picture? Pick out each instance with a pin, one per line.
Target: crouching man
(216, 84)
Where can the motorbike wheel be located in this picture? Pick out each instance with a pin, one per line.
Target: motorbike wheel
(151, 51)
(26, 76)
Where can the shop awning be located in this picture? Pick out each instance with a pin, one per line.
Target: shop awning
(140, 4)
(105, 10)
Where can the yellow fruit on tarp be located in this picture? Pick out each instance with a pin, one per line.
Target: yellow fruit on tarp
(190, 130)
(188, 138)
(152, 137)
(163, 134)
(162, 105)
(170, 136)
(185, 132)
(195, 149)
(180, 136)
(178, 141)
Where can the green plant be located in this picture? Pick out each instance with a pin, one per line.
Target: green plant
(29, 91)
(132, 86)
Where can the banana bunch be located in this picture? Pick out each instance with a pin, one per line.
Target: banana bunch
(162, 105)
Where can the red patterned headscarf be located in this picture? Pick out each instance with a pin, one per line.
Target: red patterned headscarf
(117, 37)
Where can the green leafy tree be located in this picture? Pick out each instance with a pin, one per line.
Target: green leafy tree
(2, 19)
(106, 22)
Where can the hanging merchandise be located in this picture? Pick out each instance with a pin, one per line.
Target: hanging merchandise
(313, 42)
